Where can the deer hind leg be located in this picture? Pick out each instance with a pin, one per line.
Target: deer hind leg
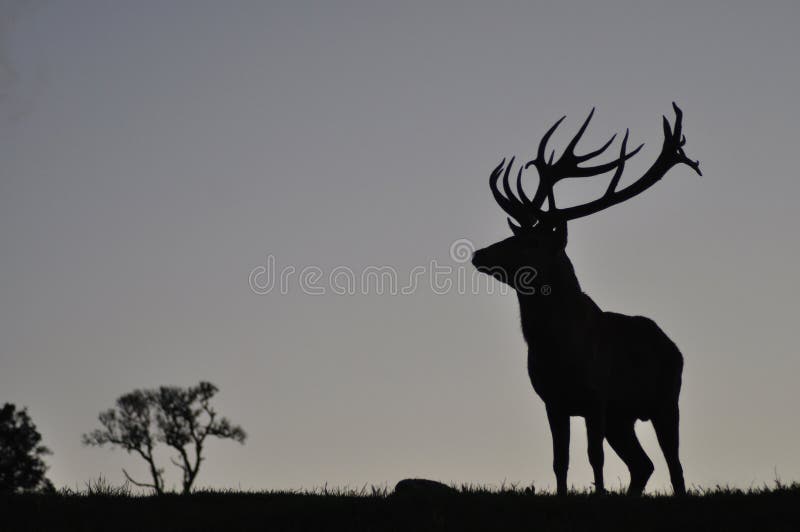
(622, 438)
(666, 427)
(595, 433)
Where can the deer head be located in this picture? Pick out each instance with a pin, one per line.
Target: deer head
(537, 249)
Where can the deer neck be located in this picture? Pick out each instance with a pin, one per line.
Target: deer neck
(551, 317)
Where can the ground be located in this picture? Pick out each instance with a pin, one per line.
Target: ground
(466, 508)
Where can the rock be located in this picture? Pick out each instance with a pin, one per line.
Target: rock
(421, 487)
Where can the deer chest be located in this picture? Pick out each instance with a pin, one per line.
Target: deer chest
(573, 375)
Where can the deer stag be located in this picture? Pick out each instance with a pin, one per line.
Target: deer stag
(608, 368)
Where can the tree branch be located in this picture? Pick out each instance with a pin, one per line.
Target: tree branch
(141, 484)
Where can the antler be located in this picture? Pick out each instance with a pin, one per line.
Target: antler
(527, 211)
(567, 165)
(519, 208)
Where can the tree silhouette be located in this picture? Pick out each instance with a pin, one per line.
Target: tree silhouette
(131, 426)
(182, 418)
(21, 466)
(185, 419)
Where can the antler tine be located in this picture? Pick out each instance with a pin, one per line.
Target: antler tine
(540, 155)
(520, 191)
(612, 185)
(570, 149)
(506, 185)
(678, 120)
(680, 140)
(596, 152)
(495, 175)
(603, 168)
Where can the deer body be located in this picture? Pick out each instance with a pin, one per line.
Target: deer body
(610, 368)
(626, 361)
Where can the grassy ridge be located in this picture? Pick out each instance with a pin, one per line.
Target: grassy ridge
(468, 509)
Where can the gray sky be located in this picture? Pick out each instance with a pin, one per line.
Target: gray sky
(154, 153)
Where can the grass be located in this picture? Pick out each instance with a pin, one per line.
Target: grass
(102, 506)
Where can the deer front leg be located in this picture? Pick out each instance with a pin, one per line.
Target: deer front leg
(595, 433)
(559, 429)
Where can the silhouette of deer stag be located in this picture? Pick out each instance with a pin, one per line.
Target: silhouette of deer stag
(608, 368)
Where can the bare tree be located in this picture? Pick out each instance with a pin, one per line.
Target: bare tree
(609, 368)
(185, 419)
(131, 426)
(182, 418)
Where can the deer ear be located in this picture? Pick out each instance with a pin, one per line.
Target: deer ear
(517, 230)
(560, 232)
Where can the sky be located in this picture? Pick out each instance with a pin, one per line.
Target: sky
(155, 155)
